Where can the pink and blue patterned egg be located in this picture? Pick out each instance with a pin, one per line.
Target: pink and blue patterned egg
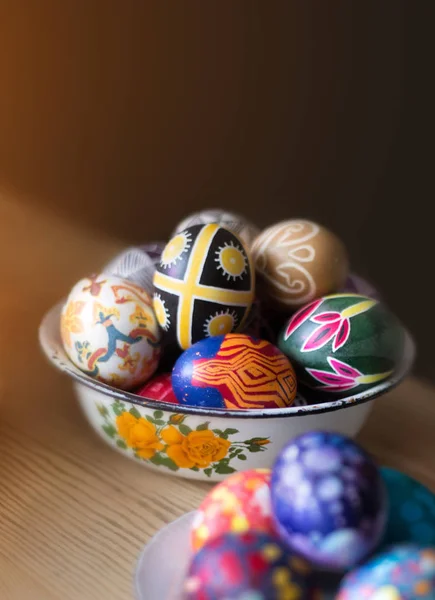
(252, 565)
(404, 572)
(234, 371)
(411, 516)
(328, 499)
(344, 343)
(204, 285)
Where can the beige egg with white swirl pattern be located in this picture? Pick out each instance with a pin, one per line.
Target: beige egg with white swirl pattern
(297, 261)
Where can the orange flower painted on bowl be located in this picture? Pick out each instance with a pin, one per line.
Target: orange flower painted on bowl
(139, 434)
(171, 442)
(176, 419)
(196, 449)
(71, 322)
(260, 441)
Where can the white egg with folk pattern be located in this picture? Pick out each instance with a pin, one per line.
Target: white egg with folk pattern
(110, 332)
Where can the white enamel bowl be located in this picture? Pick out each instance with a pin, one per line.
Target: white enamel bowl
(207, 444)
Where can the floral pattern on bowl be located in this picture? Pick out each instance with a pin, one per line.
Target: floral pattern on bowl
(172, 443)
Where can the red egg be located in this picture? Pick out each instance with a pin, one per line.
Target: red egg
(238, 504)
(159, 388)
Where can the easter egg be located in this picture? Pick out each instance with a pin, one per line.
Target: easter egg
(355, 284)
(243, 228)
(328, 499)
(238, 504)
(251, 565)
(204, 285)
(110, 332)
(263, 323)
(297, 261)
(154, 250)
(135, 265)
(404, 572)
(159, 388)
(234, 371)
(411, 516)
(343, 343)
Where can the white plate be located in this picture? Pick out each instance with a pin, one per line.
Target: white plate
(169, 547)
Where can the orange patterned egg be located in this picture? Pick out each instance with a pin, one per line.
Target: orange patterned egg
(238, 504)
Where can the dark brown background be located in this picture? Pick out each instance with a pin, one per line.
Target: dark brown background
(127, 115)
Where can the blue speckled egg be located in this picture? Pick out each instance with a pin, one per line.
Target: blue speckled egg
(411, 516)
(234, 371)
(329, 500)
(250, 566)
(402, 573)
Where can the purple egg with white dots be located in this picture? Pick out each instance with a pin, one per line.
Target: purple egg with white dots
(329, 500)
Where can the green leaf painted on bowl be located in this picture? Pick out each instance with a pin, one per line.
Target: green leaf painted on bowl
(110, 430)
(133, 411)
(223, 469)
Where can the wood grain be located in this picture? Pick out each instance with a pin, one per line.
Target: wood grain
(74, 514)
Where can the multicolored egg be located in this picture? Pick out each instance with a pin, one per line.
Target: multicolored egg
(234, 371)
(159, 388)
(110, 332)
(135, 265)
(243, 228)
(249, 566)
(204, 284)
(328, 499)
(297, 261)
(355, 284)
(411, 516)
(343, 343)
(402, 573)
(240, 503)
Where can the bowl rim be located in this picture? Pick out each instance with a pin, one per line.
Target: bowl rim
(50, 341)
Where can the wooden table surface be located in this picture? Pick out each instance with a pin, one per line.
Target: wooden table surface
(74, 514)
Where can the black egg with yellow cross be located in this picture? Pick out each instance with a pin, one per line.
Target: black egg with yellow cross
(204, 285)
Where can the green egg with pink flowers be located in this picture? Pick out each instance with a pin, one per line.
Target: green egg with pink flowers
(343, 343)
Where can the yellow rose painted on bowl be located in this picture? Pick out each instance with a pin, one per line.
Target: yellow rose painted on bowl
(139, 434)
(110, 332)
(169, 441)
(197, 449)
